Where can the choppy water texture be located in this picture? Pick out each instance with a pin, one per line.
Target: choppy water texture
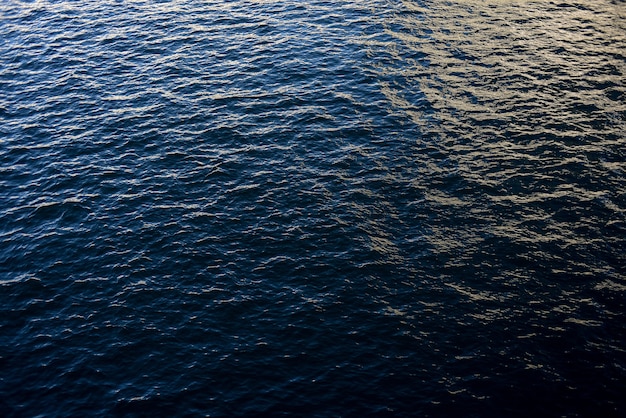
(312, 208)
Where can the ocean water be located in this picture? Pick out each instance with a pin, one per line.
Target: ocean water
(407, 208)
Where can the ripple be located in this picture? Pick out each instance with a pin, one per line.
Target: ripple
(313, 208)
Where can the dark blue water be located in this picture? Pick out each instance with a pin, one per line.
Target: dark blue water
(314, 208)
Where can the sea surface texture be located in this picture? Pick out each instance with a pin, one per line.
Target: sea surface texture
(403, 208)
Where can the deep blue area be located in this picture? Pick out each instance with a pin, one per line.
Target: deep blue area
(314, 208)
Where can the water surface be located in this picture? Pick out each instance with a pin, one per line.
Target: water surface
(312, 208)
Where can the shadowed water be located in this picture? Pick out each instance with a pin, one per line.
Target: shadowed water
(313, 208)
